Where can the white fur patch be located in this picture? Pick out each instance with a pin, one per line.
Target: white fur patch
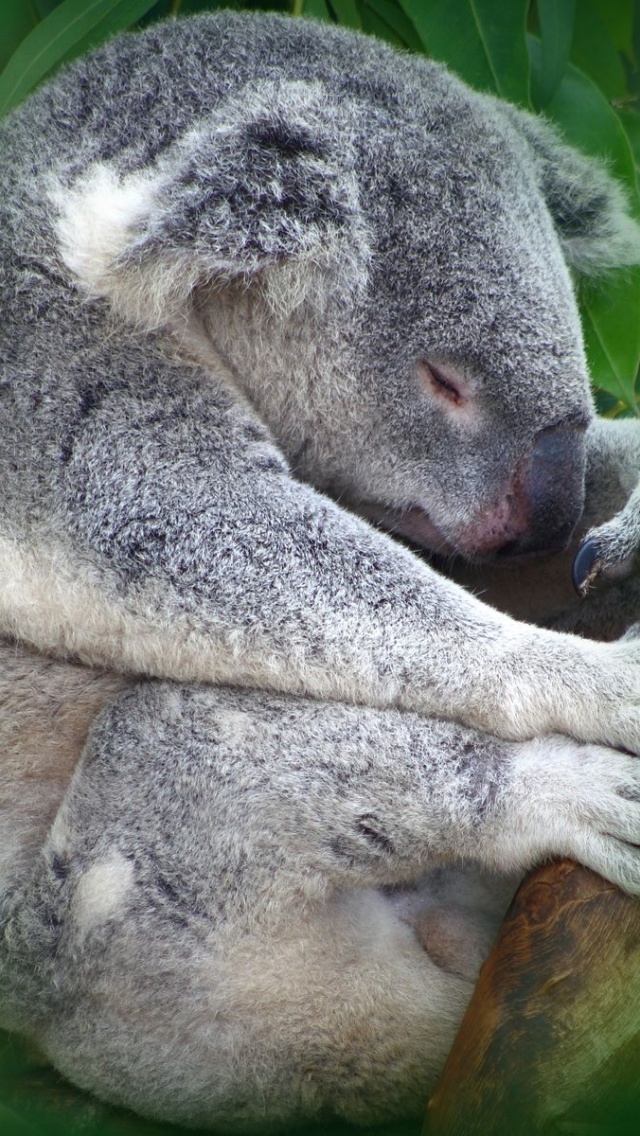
(96, 221)
(101, 893)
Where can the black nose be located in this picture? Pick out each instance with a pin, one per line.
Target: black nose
(553, 484)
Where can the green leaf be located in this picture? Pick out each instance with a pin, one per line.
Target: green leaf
(373, 25)
(612, 333)
(189, 7)
(44, 7)
(60, 36)
(483, 40)
(630, 120)
(12, 1124)
(594, 51)
(317, 9)
(617, 16)
(556, 18)
(347, 13)
(588, 121)
(608, 406)
(17, 21)
(388, 20)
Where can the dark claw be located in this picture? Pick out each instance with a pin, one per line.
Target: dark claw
(585, 567)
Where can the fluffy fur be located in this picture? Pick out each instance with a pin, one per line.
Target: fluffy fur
(270, 288)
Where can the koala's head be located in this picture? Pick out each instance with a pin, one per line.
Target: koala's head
(435, 378)
(385, 259)
(467, 339)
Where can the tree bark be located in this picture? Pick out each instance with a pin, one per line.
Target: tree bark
(550, 1042)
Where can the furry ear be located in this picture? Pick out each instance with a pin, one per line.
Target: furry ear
(266, 177)
(589, 208)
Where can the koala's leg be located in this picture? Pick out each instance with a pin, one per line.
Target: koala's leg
(47, 708)
(215, 930)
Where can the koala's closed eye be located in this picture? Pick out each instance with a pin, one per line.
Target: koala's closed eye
(441, 382)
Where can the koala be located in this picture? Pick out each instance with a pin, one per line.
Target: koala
(290, 353)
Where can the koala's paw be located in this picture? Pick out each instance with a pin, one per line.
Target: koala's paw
(568, 799)
(609, 551)
(603, 707)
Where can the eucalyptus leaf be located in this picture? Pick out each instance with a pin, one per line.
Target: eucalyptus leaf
(17, 21)
(347, 13)
(618, 18)
(630, 120)
(594, 51)
(316, 8)
(44, 7)
(556, 19)
(373, 25)
(483, 40)
(393, 22)
(58, 37)
(612, 334)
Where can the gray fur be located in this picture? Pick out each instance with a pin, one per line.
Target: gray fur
(268, 289)
(308, 215)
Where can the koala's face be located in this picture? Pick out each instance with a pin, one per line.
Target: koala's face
(448, 399)
(469, 355)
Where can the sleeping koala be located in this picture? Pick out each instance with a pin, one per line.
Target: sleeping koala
(273, 294)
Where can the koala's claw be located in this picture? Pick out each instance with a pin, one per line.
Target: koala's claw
(587, 566)
(610, 550)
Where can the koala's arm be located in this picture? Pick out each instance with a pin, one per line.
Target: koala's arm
(169, 538)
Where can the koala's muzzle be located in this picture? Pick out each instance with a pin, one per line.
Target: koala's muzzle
(535, 513)
(539, 507)
(548, 494)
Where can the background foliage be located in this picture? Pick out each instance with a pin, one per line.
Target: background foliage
(575, 60)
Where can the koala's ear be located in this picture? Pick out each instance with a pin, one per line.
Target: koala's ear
(589, 208)
(268, 176)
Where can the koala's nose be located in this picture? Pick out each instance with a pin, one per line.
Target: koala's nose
(553, 485)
